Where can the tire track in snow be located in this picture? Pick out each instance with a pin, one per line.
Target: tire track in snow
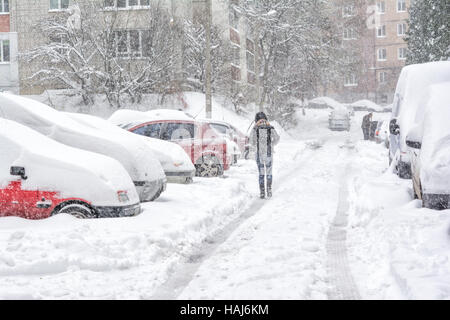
(181, 277)
(343, 286)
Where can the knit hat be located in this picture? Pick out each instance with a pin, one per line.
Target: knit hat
(259, 116)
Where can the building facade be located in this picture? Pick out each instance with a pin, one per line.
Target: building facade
(373, 32)
(133, 16)
(9, 75)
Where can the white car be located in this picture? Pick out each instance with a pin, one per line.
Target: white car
(40, 177)
(382, 133)
(413, 82)
(339, 119)
(429, 148)
(175, 162)
(145, 171)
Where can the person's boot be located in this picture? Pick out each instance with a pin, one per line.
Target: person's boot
(269, 188)
(262, 193)
(262, 190)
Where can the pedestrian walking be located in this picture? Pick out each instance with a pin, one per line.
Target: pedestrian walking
(365, 126)
(263, 138)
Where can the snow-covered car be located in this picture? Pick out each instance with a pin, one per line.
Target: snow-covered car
(429, 148)
(339, 119)
(175, 162)
(207, 149)
(382, 133)
(414, 80)
(40, 177)
(145, 171)
(231, 132)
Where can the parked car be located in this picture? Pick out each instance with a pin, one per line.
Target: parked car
(207, 149)
(382, 133)
(226, 129)
(144, 169)
(175, 162)
(339, 119)
(372, 130)
(40, 177)
(429, 148)
(414, 80)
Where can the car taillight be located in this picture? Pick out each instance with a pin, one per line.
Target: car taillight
(377, 133)
(123, 196)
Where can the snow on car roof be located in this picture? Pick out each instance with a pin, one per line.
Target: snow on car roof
(127, 116)
(327, 101)
(368, 104)
(61, 127)
(55, 154)
(435, 151)
(411, 86)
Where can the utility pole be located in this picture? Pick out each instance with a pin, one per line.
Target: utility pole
(208, 59)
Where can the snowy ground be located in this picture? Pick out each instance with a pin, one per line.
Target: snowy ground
(340, 225)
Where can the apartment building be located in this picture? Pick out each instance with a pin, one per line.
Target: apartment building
(133, 17)
(390, 47)
(9, 79)
(373, 33)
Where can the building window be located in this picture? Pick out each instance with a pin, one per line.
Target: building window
(4, 51)
(235, 73)
(132, 43)
(250, 62)
(401, 5)
(236, 55)
(126, 4)
(4, 6)
(381, 7)
(234, 18)
(382, 54)
(381, 31)
(59, 4)
(348, 11)
(401, 29)
(401, 53)
(350, 80)
(349, 34)
(382, 77)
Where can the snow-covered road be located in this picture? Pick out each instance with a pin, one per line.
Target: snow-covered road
(317, 238)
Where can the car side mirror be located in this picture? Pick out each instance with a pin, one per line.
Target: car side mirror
(394, 128)
(413, 144)
(18, 171)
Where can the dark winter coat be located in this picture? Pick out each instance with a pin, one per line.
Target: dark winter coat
(264, 137)
(366, 122)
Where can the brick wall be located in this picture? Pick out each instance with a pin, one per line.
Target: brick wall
(4, 23)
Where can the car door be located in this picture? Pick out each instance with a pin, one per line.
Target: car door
(11, 193)
(183, 134)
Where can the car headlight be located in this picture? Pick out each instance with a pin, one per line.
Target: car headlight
(123, 196)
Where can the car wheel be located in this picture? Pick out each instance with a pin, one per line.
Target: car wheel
(403, 170)
(210, 167)
(157, 194)
(189, 180)
(77, 210)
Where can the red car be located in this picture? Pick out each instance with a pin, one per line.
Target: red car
(206, 148)
(232, 133)
(40, 177)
